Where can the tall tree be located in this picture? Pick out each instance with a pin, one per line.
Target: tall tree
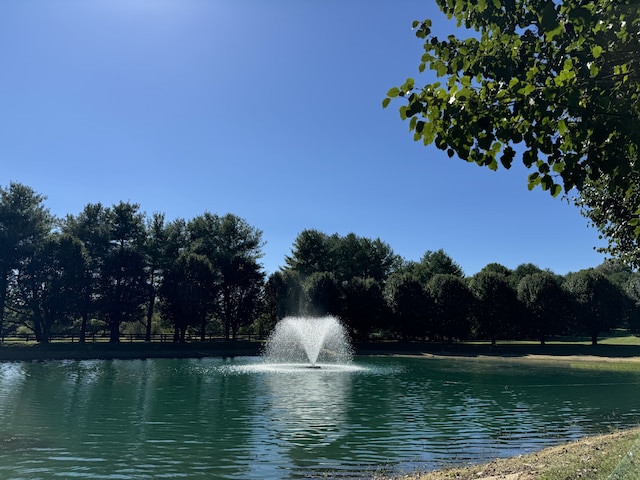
(453, 302)
(434, 263)
(322, 294)
(186, 293)
(497, 268)
(234, 248)
(496, 303)
(92, 227)
(283, 295)
(363, 306)
(614, 212)
(632, 292)
(162, 244)
(411, 306)
(123, 287)
(24, 223)
(545, 302)
(360, 257)
(598, 302)
(311, 253)
(346, 257)
(522, 271)
(50, 284)
(555, 82)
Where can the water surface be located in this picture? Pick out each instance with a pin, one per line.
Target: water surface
(237, 419)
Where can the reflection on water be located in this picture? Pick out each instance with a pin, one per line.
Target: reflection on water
(238, 419)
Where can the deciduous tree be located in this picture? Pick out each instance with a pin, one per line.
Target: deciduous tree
(50, 285)
(452, 306)
(187, 293)
(545, 302)
(496, 303)
(410, 305)
(555, 83)
(598, 303)
(24, 223)
(233, 247)
(363, 306)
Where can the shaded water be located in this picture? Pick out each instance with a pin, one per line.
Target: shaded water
(226, 419)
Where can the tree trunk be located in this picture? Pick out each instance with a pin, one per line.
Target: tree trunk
(83, 327)
(152, 301)
(3, 300)
(114, 331)
(203, 329)
(176, 334)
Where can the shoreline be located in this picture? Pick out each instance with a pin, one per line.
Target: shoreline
(614, 455)
(125, 351)
(502, 352)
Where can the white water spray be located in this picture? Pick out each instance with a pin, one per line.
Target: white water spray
(309, 341)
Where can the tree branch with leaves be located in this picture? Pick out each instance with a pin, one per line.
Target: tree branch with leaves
(556, 84)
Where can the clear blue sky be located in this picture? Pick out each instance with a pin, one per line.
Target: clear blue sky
(270, 110)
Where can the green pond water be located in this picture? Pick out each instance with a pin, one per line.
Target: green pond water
(240, 419)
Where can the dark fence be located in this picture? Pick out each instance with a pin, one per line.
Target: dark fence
(124, 337)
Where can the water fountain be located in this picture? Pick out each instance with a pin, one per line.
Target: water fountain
(312, 342)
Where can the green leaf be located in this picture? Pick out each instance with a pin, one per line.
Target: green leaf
(464, 94)
(393, 92)
(529, 157)
(507, 157)
(547, 182)
(562, 127)
(440, 68)
(385, 102)
(596, 51)
(555, 190)
(408, 85)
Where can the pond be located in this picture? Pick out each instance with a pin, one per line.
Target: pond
(220, 418)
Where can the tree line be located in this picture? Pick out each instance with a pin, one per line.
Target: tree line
(118, 270)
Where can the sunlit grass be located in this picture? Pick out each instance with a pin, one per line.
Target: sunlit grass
(604, 457)
(621, 340)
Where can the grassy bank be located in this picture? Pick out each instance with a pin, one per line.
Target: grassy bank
(133, 350)
(615, 456)
(614, 349)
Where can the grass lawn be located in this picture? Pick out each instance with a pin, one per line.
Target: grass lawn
(614, 456)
